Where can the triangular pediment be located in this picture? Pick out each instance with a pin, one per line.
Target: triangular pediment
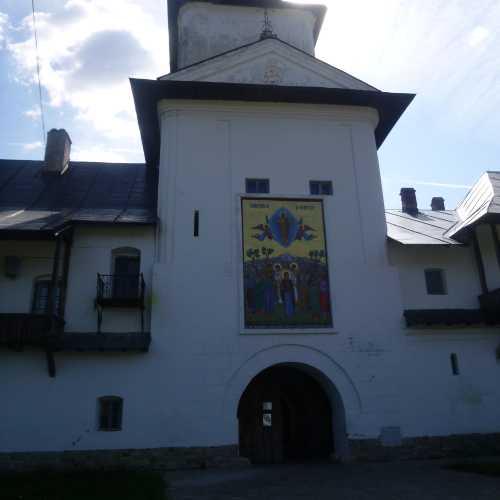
(269, 62)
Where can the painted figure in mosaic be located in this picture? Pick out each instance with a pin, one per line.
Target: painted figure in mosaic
(288, 294)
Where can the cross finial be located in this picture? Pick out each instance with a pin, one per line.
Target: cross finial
(267, 27)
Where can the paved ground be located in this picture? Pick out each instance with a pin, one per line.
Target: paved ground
(386, 481)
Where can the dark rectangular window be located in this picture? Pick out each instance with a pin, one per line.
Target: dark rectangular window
(257, 186)
(434, 282)
(196, 224)
(321, 187)
(41, 296)
(110, 413)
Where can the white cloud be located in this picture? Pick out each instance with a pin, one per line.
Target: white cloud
(96, 153)
(446, 52)
(440, 184)
(478, 35)
(4, 20)
(33, 113)
(88, 49)
(30, 146)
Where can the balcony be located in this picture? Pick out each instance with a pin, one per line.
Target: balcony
(490, 303)
(106, 342)
(120, 290)
(30, 330)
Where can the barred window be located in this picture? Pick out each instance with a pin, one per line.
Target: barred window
(41, 294)
(110, 413)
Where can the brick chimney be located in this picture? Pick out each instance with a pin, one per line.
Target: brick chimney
(409, 201)
(57, 151)
(437, 203)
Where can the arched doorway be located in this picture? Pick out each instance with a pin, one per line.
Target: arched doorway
(284, 415)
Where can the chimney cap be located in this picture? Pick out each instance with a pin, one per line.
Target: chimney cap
(409, 201)
(57, 151)
(437, 203)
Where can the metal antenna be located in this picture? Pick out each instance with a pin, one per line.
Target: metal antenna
(267, 27)
(38, 72)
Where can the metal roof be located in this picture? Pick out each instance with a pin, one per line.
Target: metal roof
(482, 201)
(428, 227)
(88, 192)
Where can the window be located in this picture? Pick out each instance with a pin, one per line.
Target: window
(257, 186)
(196, 224)
(321, 187)
(126, 270)
(41, 295)
(454, 364)
(110, 413)
(435, 282)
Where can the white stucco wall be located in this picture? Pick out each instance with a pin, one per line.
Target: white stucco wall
(91, 254)
(459, 266)
(185, 390)
(290, 145)
(433, 400)
(206, 30)
(36, 261)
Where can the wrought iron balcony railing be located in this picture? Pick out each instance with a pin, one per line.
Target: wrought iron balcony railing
(120, 290)
(30, 330)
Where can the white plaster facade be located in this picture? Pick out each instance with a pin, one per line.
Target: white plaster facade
(185, 391)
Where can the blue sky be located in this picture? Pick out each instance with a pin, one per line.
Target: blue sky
(445, 51)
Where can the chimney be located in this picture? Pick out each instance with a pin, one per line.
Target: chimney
(57, 151)
(409, 201)
(437, 203)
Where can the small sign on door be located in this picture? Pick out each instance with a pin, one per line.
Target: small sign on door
(267, 420)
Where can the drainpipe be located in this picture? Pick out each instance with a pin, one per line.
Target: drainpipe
(56, 310)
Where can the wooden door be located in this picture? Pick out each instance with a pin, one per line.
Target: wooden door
(284, 415)
(126, 277)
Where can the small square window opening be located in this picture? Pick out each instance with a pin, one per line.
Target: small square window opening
(110, 413)
(257, 186)
(435, 282)
(321, 188)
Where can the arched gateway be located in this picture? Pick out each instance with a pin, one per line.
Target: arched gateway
(316, 373)
(285, 415)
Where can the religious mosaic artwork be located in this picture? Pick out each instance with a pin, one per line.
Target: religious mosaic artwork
(285, 264)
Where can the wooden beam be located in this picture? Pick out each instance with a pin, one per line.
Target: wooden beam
(54, 279)
(496, 241)
(68, 242)
(479, 262)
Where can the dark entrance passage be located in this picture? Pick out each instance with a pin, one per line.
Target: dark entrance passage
(284, 415)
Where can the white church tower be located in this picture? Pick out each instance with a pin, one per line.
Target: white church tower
(273, 293)
(244, 295)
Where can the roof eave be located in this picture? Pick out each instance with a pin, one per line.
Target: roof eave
(147, 94)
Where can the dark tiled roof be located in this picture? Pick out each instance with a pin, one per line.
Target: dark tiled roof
(426, 228)
(87, 192)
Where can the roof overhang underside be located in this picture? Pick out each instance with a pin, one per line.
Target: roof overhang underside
(147, 94)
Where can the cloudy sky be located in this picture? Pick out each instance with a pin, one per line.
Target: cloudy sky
(445, 51)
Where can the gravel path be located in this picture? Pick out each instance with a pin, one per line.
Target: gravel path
(381, 481)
